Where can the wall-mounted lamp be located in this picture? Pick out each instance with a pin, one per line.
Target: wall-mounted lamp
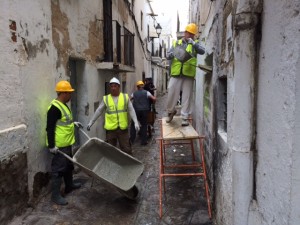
(158, 29)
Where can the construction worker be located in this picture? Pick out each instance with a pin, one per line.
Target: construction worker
(116, 106)
(141, 106)
(149, 86)
(60, 136)
(183, 56)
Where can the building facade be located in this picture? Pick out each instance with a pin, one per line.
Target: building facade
(43, 42)
(248, 108)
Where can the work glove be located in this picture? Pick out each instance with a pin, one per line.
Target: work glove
(88, 128)
(137, 127)
(78, 124)
(191, 41)
(171, 55)
(53, 150)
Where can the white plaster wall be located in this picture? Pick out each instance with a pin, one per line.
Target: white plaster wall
(277, 173)
(278, 69)
(96, 91)
(80, 14)
(221, 180)
(28, 78)
(295, 194)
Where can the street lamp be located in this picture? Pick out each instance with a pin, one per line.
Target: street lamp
(158, 29)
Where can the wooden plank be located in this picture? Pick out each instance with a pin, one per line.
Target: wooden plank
(175, 131)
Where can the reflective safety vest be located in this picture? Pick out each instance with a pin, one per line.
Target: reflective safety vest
(187, 68)
(116, 116)
(64, 130)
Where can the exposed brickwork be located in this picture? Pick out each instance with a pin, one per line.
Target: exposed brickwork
(13, 186)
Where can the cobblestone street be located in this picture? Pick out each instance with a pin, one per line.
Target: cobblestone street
(97, 203)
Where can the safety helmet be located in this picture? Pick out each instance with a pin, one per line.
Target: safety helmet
(139, 83)
(63, 86)
(191, 28)
(114, 81)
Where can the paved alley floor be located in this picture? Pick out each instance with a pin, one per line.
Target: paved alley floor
(97, 203)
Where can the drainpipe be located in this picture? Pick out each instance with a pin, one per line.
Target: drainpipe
(244, 107)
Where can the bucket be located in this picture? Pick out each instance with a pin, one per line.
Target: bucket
(181, 54)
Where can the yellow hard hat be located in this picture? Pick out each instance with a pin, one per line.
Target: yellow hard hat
(139, 83)
(63, 86)
(191, 28)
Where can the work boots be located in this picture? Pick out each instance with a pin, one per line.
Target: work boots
(56, 196)
(170, 116)
(69, 184)
(185, 122)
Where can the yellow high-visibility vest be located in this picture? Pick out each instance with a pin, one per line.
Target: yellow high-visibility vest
(116, 116)
(187, 68)
(64, 130)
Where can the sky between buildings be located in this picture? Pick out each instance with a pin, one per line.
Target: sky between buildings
(167, 15)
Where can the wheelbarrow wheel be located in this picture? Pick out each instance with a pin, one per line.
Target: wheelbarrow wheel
(131, 194)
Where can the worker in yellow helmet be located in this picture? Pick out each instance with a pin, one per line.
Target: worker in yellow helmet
(60, 136)
(116, 106)
(141, 106)
(183, 56)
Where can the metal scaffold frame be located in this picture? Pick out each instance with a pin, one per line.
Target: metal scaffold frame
(174, 134)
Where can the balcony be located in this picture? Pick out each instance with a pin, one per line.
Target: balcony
(115, 67)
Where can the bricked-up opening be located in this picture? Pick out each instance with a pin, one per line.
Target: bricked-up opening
(128, 48)
(13, 29)
(107, 31)
(222, 103)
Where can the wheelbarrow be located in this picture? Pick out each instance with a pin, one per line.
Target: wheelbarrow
(107, 163)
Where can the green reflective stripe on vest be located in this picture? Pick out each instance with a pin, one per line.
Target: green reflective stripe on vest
(116, 116)
(64, 130)
(187, 68)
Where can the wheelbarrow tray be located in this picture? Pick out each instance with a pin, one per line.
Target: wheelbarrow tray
(107, 163)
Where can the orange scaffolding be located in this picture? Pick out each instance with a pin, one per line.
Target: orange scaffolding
(174, 134)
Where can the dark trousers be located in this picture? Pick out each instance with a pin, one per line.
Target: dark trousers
(142, 118)
(61, 167)
(119, 136)
(60, 164)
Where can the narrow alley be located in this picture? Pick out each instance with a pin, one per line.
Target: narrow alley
(98, 204)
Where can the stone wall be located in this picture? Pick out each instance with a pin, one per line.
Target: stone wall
(13, 186)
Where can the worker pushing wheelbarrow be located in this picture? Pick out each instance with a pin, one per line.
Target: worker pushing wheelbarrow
(107, 163)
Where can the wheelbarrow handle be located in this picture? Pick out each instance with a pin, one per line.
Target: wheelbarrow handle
(85, 134)
(65, 155)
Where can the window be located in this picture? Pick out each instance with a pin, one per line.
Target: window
(222, 103)
(142, 16)
(106, 88)
(107, 31)
(118, 37)
(128, 48)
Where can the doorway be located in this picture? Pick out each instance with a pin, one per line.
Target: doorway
(79, 96)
